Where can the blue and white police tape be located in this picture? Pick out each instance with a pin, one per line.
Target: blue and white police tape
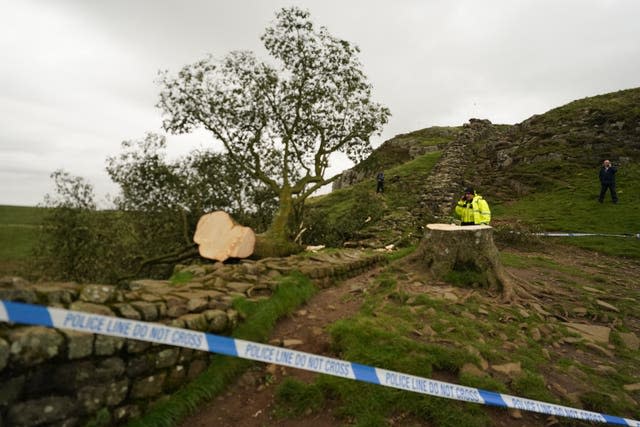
(30, 314)
(566, 234)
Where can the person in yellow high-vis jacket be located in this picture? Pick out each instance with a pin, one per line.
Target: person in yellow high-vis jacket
(472, 209)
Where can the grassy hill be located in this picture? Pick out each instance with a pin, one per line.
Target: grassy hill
(541, 174)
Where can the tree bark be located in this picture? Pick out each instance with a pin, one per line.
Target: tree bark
(219, 237)
(446, 248)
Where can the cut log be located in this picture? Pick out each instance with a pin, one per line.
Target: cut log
(219, 237)
(446, 248)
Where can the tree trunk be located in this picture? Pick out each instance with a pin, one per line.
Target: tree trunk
(279, 230)
(277, 241)
(220, 237)
(448, 248)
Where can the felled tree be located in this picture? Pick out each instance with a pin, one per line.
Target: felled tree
(280, 123)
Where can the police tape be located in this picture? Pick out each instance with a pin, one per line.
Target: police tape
(16, 312)
(565, 234)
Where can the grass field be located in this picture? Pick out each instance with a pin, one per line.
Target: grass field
(19, 230)
(574, 208)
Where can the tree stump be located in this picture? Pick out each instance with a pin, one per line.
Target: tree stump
(447, 248)
(219, 237)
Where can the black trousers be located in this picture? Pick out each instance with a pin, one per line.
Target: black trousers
(612, 189)
(380, 188)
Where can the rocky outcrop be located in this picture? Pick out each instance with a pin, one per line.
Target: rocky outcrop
(57, 377)
(400, 149)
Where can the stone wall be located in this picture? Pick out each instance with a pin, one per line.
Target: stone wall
(52, 377)
(447, 179)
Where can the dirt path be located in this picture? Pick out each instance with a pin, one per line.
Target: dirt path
(250, 401)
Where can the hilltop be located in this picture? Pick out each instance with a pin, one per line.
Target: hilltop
(540, 174)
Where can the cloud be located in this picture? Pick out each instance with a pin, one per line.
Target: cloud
(78, 76)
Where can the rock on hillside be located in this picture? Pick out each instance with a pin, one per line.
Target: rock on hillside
(543, 149)
(396, 151)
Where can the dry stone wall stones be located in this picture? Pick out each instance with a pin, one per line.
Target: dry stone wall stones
(4, 353)
(33, 345)
(41, 411)
(148, 387)
(11, 389)
(22, 295)
(166, 358)
(195, 322)
(107, 346)
(79, 344)
(197, 305)
(117, 392)
(176, 377)
(137, 346)
(148, 310)
(218, 320)
(91, 308)
(127, 311)
(98, 294)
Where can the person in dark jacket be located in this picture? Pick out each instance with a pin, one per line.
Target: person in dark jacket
(380, 180)
(608, 181)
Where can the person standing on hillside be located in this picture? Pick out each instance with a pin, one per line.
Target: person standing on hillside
(472, 209)
(608, 181)
(380, 180)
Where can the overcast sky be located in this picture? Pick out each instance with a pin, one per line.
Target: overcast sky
(77, 77)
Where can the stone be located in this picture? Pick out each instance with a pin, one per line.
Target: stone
(512, 369)
(450, 296)
(127, 412)
(41, 411)
(127, 311)
(195, 322)
(291, 342)
(472, 369)
(632, 387)
(137, 346)
(117, 392)
(92, 397)
(21, 295)
(88, 307)
(99, 294)
(4, 354)
(594, 333)
(239, 287)
(603, 351)
(176, 377)
(139, 366)
(197, 304)
(579, 311)
(177, 309)
(607, 306)
(79, 344)
(148, 310)
(11, 390)
(218, 320)
(148, 387)
(535, 334)
(106, 345)
(593, 290)
(142, 284)
(515, 413)
(32, 345)
(166, 358)
(629, 339)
